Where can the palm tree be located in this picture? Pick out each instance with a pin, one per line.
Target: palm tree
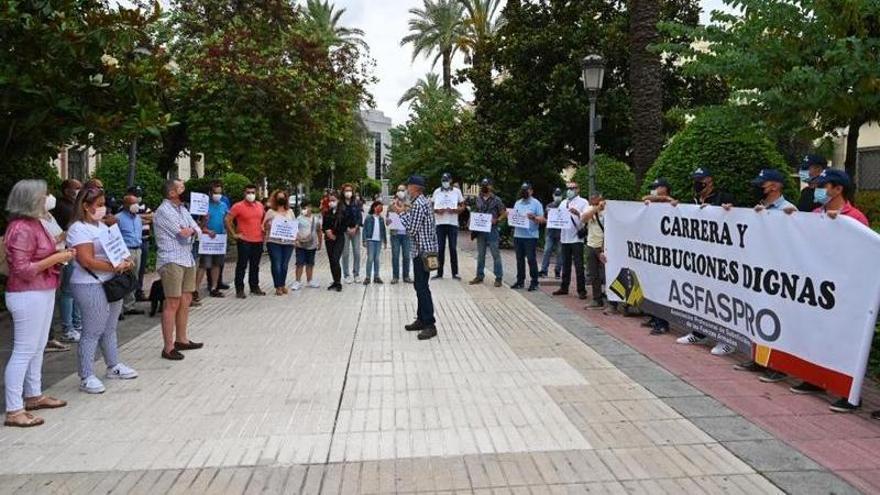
(437, 28)
(646, 85)
(322, 19)
(425, 90)
(482, 22)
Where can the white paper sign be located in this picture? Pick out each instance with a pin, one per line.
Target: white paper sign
(114, 245)
(395, 224)
(518, 220)
(481, 222)
(214, 246)
(284, 229)
(445, 201)
(198, 203)
(558, 218)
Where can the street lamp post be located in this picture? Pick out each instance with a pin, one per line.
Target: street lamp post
(592, 74)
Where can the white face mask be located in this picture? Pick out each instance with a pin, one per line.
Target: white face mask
(75, 193)
(134, 209)
(332, 205)
(653, 192)
(446, 184)
(100, 213)
(401, 194)
(216, 197)
(250, 197)
(50, 202)
(348, 194)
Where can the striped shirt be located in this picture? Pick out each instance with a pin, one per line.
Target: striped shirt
(171, 246)
(419, 223)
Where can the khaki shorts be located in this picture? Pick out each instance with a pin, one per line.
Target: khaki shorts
(177, 279)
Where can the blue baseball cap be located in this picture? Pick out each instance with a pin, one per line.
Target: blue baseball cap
(416, 180)
(557, 192)
(486, 182)
(701, 173)
(811, 160)
(660, 182)
(768, 175)
(833, 176)
(446, 176)
(526, 185)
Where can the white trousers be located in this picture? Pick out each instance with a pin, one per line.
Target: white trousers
(31, 319)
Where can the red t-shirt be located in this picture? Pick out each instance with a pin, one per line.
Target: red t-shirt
(249, 220)
(850, 211)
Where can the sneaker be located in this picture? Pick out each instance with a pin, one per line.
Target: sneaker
(722, 349)
(843, 406)
(805, 388)
(749, 366)
(122, 372)
(772, 376)
(378, 280)
(314, 284)
(357, 279)
(690, 339)
(55, 346)
(542, 274)
(557, 276)
(91, 385)
(295, 286)
(659, 330)
(395, 281)
(348, 280)
(71, 336)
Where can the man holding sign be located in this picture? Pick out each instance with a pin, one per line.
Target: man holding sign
(448, 203)
(490, 207)
(530, 214)
(572, 245)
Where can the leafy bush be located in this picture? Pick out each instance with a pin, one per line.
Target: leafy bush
(233, 185)
(370, 187)
(113, 172)
(614, 179)
(725, 141)
(869, 203)
(30, 169)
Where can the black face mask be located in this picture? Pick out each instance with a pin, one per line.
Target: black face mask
(524, 194)
(699, 187)
(485, 189)
(758, 193)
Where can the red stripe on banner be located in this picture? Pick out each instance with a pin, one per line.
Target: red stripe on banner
(832, 381)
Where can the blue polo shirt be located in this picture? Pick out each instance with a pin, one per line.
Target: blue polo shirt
(524, 207)
(217, 216)
(132, 228)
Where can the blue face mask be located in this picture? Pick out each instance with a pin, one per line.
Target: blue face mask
(804, 175)
(820, 195)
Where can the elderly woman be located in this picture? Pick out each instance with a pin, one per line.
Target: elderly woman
(30, 297)
(91, 269)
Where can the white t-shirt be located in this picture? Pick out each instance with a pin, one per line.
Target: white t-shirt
(377, 229)
(452, 194)
(569, 233)
(81, 233)
(596, 232)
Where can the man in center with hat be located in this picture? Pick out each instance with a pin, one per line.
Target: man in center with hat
(446, 219)
(525, 240)
(811, 167)
(489, 203)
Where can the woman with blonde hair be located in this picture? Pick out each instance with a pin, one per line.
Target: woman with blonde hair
(34, 274)
(280, 249)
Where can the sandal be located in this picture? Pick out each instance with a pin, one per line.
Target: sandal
(23, 419)
(43, 402)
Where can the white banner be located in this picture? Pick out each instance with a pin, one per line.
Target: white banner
(515, 219)
(284, 229)
(395, 222)
(558, 218)
(445, 200)
(799, 292)
(481, 222)
(212, 246)
(114, 245)
(198, 203)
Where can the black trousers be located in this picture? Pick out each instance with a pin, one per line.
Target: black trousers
(597, 273)
(421, 281)
(526, 250)
(450, 233)
(334, 254)
(573, 254)
(249, 254)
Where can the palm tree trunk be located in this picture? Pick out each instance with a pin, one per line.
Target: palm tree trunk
(447, 71)
(646, 86)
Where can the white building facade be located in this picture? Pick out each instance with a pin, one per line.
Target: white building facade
(378, 127)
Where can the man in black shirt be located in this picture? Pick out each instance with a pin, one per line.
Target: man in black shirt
(63, 212)
(811, 167)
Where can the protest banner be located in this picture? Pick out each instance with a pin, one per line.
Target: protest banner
(284, 229)
(198, 203)
(558, 218)
(445, 200)
(212, 245)
(517, 220)
(778, 287)
(481, 222)
(114, 245)
(396, 223)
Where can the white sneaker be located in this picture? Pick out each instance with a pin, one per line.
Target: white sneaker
(722, 349)
(348, 280)
(357, 279)
(122, 372)
(91, 385)
(690, 339)
(295, 286)
(71, 337)
(314, 284)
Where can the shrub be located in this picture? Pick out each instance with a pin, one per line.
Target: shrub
(724, 140)
(614, 179)
(234, 184)
(30, 169)
(869, 203)
(113, 172)
(370, 187)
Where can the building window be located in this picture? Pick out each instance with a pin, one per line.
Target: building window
(869, 169)
(77, 164)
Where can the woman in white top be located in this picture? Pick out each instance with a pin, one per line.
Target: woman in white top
(280, 246)
(309, 238)
(91, 269)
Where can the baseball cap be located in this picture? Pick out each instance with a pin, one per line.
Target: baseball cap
(486, 182)
(660, 182)
(768, 175)
(526, 186)
(833, 176)
(416, 180)
(557, 192)
(701, 173)
(814, 160)
(135, 191)
(446, 176)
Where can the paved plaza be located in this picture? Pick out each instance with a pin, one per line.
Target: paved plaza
(320, 392)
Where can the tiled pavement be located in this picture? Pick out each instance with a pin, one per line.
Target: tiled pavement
(325, 393)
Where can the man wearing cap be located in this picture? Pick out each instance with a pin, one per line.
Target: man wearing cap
(131, 226)
(661, 192)
(525, 240)
(447, 222)
(419, 223)
(572, 244)
(551, 241)
(811, 167)
(489, 203)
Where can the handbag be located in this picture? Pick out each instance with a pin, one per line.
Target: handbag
(119, 286)
(431, 261)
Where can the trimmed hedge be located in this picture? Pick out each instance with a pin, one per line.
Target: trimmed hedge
(725, 141)
(614, 179)
(113, 172)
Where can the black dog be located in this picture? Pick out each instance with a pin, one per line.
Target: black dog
(157, 298)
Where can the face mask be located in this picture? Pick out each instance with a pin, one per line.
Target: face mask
(333, 205)
(307, 210)
(570, 194)
(698, 187)
(348, 194)
(804, 175)
(216, 197)
(100, 213)
(445, 184)
(50, 202)
(379, 210)
(250, 198)
(653, 192)
(484, 190)
(75, 193)
(820, 195)
(557, 197)
(134, 209)
(524, 194)
(281, 200)
(401, 194)
(758, 193)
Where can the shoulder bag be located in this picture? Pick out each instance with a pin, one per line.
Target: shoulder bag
(119, 286)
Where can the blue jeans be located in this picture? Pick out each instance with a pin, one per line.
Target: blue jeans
(279, 256)
(526, 250)
(447, 233)
(71, 319)
(490, 240)
(400, 255)
(551, 247)
(425, 312)
(374, 250)
(352, 248)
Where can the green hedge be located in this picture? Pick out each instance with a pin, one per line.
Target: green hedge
(113, 172)
(30, 169)
(733, 147)
(614, 179)
(233, 185)
(869, 203)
